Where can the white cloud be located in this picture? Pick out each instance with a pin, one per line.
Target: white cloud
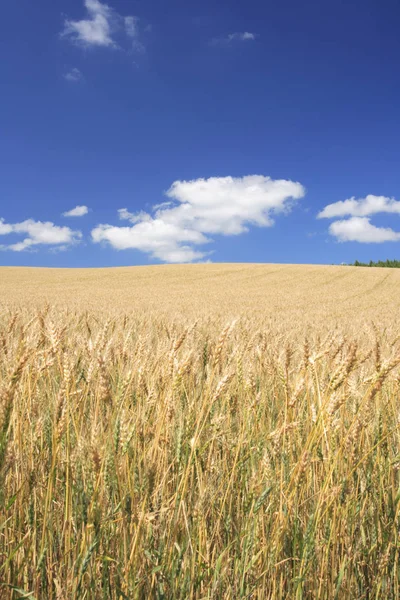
(362, 207)
(94, 31)
(74, 75)
(78, 211)
(244, 36)
(359, 229)
(37, 233)
(162, 240)
(226, 205)
(125, 215)
(198, 208)
(5, 227)
(100, 27)
(131, 26)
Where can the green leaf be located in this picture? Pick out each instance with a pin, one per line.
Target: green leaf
(11, 501)
(23, 593)
(10, 557)
(340, 579)
(157, 569)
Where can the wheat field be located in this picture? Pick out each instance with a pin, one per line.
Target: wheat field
(200, 432)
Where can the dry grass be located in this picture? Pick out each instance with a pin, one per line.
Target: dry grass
(202, 432)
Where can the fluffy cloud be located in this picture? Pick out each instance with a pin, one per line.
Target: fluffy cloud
(5, 227)
(162, 240)
(198, 209)
(38, 232)
(359, 229)
(245, 36)
(100, 26)
(363, 207)
(227, 205)
(78, 211)
(94, 31)
(74, 75)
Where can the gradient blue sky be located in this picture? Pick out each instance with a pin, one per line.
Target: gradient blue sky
(305, 92)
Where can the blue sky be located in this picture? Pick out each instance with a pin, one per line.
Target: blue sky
(244, 120)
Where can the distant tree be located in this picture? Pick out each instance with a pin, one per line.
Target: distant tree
(388, 264)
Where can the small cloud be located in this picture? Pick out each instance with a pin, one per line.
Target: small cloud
(163, 205)
(197, 210)
(359, 229)
(100, 27)
(361, 207)
(244, 36)
(74, 75)
(125, 215)
(5, 228)
(38, 233)
(94, 31)
(78, 211)
(131, 26)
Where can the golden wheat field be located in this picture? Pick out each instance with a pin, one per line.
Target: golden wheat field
(200, 432)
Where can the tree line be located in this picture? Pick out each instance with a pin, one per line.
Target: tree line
(390, 264)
